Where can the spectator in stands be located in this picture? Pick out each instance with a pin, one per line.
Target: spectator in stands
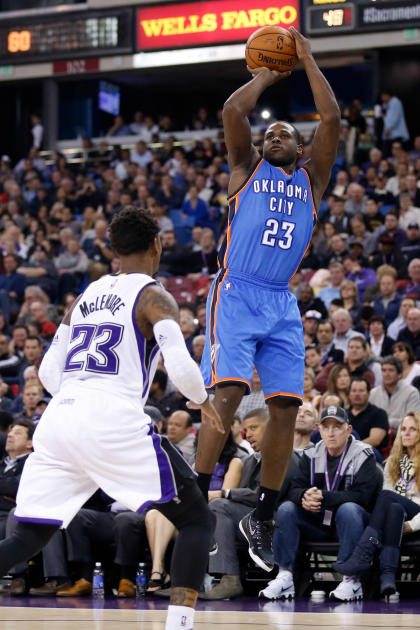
(338, 382)
(310, 321)
(198, 347)
(408, 213)
(413, 287)
(389, 255)
(306, 421)
(237, 434)
(12, 286)
(71, 266)
(186, 322)
(400, 322)
(411, 249)
(370, 422)
(255, 398)
(203, 262)
(232, 507)
(388, 301)
(141, 155)
(338, 249)
(380, 343)
(9, 363)
(342, 323)
(349, 294)
(396, 510)
(412, 189)
(119, 128)
(313, 358)
(391, 229)
(162, 396)
(338, 217)
(37, 131)
(17, 342)
(180, 433)
(32, 355)
(361, 235)
(336, 278)
(394, 395)
(31, 394)
(310, 393)
(98, 251)
(373, 215)
(395, 126)
(172, 255)
(404, 352)
(41, 271)
(356, 199)
(38, 311)
(308, 302)
(411, 333)
(168, 195)
(322, 505)
(329, 352)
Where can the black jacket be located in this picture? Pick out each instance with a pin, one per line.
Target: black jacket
(9, 483)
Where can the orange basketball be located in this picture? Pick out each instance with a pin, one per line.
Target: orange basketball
(272, 47)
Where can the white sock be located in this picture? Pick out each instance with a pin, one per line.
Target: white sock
(285, 573)
(180, 618)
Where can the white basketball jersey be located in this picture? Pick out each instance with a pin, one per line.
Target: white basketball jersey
(106, 348)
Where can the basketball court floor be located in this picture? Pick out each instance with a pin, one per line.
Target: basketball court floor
(240, 614)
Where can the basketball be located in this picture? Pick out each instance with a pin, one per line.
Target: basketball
(272, 47)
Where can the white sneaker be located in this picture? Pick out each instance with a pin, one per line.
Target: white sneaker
(281, 587)
(348, 590)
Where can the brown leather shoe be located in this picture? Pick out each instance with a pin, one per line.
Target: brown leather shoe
(126, 588)
(17, 587)
(81, 587)
(49, 588)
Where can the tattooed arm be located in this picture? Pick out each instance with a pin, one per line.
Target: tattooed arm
(157, 314)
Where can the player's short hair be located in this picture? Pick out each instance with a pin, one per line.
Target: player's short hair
(132, 230)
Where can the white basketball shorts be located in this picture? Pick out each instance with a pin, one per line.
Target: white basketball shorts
(89, 440)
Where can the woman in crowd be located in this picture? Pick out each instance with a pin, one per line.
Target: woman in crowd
(338, 382)
(397, 510)
(310, 394)
(404, 352)
(350, 296)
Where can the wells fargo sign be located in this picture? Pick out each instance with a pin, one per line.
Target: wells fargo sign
(190, 24)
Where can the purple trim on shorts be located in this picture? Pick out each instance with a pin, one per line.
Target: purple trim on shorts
(141, 341)
(167, 480)
(39, 521)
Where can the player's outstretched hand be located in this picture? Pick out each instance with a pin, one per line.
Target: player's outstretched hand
(270, 76)
(303, 45)
(209, 414)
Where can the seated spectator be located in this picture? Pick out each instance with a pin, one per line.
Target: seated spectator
(194, 210)
(397, 509)
(17, 342)
(404, 352)
(310, 394)
(388, 301)
(162, 396)
(413, 287)
(313, 358)
(186, 322)
(41, 271)
(18, 447)
(400, 322)
(380, 343)
(141, 155)
(361, 235)
(336, 278)
(38, 311)
(349, 294)
(322, 505)
(409, 214)
(12, 286)
(337, 250)
(172, 257)
(356, 199)
(255, 399)
(394, 395)
(390, 229)
(373, 214)
(339, 217)
(389, 254)
(180, 433)
(306, 420)
(119, 128)
(370, 422)
(168, 195)
(338, 382)
(203, 262)
(411, 249)
(342, 323)
(32, 355)
(198, 347)
(71, 266)
(98, 251)
(329, 353)
(411, 333)
(310, 322)
(362, 276)
(308, 302)
(233, 506)
(31, 394)
(244, 447)
(9, 363)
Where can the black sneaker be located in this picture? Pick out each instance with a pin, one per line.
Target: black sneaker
(259, 535)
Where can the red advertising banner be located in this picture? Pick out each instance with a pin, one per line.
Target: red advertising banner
(218, 21)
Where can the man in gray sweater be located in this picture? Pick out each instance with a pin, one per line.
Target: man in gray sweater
(394, 395)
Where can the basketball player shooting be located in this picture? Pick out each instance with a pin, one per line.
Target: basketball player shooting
(252, 318)
(95, 434)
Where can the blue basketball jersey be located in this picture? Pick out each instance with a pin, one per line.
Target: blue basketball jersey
(270, 224)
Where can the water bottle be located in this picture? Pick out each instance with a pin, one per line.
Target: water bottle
(98, 591)
(141, 581)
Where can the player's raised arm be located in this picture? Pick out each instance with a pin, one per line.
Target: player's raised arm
(242, 154)
(324, 147)
(158, 309)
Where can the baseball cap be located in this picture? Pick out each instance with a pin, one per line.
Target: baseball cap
(154, 414)
(388, 240)
(312, 314)
(413, 226)
(337, 413)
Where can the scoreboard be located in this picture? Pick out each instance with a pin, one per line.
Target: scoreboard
(70, 35)
(325, 17)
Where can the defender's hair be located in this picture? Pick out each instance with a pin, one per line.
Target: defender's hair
(131, 231)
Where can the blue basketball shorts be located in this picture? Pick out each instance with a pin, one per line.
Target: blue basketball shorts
(250, 322)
